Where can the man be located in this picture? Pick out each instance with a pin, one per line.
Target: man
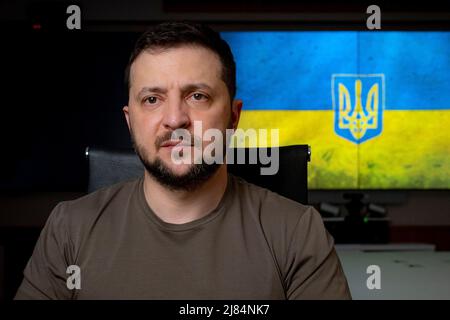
(183, 230)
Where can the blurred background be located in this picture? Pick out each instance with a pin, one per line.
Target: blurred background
(379, 175)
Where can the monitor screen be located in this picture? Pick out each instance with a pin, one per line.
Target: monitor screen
(373, 106)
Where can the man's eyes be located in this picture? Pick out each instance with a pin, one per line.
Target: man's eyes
(151, 100)
(199, 97)
(196, 97)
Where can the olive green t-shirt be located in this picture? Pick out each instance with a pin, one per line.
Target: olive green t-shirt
(255, 245)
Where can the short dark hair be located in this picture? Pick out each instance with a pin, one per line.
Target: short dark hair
(175, 34)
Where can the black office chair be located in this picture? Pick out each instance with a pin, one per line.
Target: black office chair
(109, 166)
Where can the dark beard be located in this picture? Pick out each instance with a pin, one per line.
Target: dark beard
(191, 180)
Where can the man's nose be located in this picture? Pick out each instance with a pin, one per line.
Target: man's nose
(175, 115)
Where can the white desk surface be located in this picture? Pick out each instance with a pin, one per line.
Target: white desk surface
(405, 275)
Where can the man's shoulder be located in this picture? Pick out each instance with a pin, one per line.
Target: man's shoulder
(94, 203)
(271, 206)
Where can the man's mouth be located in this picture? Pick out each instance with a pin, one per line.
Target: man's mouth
(173, 143)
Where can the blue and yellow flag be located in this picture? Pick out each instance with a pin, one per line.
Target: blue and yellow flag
(374, 106)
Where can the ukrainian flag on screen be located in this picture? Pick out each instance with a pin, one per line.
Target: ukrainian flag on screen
(373, 106)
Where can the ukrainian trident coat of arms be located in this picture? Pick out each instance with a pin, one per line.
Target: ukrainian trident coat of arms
(358, 104)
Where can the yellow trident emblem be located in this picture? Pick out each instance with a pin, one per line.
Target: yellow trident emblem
(355, 120)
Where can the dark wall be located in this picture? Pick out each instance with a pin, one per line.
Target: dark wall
(60, 92)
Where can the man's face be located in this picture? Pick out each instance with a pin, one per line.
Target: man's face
(169, 90)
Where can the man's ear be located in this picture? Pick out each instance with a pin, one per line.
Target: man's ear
(236, 108)
(127, 116)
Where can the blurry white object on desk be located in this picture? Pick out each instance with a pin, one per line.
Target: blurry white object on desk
(404, 274)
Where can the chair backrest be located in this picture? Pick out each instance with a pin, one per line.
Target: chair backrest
(109, 166)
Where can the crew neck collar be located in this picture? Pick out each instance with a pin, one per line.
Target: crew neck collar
(220, 208)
